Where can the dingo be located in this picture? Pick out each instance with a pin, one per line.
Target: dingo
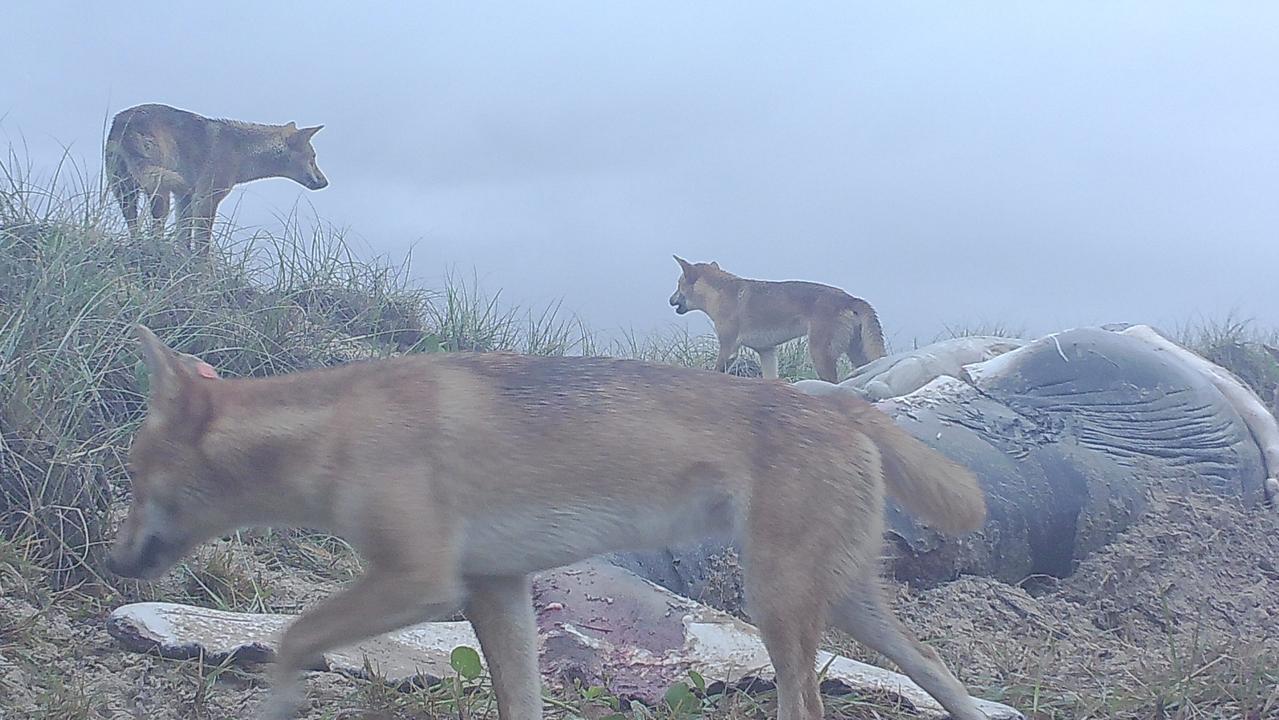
(763, 314)
(458, 475)
(154, 151)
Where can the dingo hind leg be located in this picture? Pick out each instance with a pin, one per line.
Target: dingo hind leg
(789, 591)
(864, 614)
(126, 190)
(184, 203)
(787, 604)
(159, 211)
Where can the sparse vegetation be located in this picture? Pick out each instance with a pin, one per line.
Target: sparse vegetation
(972, 329)
(1238, 345)
(71, 284)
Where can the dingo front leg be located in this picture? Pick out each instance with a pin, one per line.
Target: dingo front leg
(728, 344)
(768, 363)
(501, 611)
(384, 599)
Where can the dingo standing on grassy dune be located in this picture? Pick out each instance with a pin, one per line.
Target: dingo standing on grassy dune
(762, 314)
(456, 476)
(156, 151)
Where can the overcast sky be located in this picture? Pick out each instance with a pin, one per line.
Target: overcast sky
(1039, 164)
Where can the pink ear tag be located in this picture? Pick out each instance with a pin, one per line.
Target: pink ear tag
(206, 370)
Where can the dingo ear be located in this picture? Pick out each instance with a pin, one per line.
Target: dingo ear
(155, 353)
(685, 265)
(714, 264)
(161, 364)
(291, 127)
(169, 369)
(307, 133)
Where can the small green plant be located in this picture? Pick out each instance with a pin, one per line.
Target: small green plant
(465, 661)
(691, 698)
(593, 701)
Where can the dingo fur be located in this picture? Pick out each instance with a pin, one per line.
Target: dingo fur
(156, 151)
(763, 314)
(456, 476)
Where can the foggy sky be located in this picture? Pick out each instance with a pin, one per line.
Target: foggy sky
(1043, 165)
